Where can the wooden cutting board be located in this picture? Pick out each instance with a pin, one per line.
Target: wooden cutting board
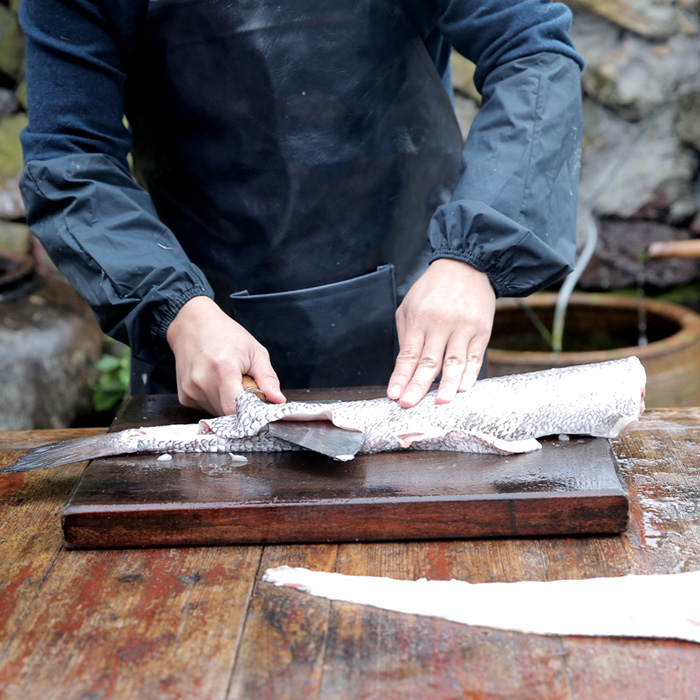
(567, 488)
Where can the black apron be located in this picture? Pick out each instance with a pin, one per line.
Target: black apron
(298, 151)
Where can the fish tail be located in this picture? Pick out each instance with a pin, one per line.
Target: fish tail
(67, 451)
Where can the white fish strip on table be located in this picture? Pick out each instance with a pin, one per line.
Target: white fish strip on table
(665, 606)
(502, 415)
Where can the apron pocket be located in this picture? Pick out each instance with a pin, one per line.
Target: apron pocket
(340, 334)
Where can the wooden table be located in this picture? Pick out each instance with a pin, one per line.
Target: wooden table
(199, 623)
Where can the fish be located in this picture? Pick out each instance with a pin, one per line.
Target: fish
(499, 415)
(652, 605)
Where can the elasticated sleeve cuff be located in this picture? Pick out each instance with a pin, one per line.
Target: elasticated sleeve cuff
(513, 213)
(102, 231)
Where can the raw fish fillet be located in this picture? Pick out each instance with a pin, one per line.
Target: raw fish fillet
(629, 606)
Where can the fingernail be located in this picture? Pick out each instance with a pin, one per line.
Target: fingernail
(444, 396)
(394, 391)
(409, 399)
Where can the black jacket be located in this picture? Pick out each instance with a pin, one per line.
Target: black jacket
(511, 214)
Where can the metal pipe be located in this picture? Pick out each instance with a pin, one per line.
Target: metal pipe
(570, 282)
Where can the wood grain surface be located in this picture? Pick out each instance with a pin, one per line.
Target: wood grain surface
(568, 487)
(197, 622)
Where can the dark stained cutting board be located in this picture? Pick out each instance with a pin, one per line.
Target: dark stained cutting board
(567, 488)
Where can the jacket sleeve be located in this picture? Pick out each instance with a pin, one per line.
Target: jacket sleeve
(96, 223)
(513, 212)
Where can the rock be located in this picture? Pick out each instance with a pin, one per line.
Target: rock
(593, 37)
(631, 75)
(626, 167)
(618, 260)
(11, 204)
(15, 237)
(688, 118)
(653, 19)
(49, 344)
(695, 227)
(8, 102)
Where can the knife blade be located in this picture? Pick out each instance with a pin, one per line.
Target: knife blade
(319, 436)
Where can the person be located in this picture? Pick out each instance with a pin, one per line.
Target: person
(299, 183)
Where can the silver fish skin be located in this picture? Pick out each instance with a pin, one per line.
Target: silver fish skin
(502, 415)
(151, 440)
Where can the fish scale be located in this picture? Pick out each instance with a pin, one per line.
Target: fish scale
(597, 399)
(502, 415)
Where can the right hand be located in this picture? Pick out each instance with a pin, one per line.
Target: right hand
(212, 353)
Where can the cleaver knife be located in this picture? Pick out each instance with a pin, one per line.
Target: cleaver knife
(317, 435)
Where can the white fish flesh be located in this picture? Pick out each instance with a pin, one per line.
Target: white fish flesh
(659, 605)
(502, 415)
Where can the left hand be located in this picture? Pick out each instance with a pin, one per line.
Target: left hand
(444, 324)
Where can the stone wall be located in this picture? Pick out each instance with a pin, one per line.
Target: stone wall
(641, 137)
(641, 149)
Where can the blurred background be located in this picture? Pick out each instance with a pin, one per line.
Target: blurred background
(639, 180)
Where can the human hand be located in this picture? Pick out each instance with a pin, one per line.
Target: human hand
(444, 323)
(212, 353)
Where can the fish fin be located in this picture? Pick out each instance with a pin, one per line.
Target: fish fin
(64, 452)
(464, 441)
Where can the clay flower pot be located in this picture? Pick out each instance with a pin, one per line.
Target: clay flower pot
(602, 327)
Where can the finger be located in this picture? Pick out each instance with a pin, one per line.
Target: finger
(265, 377)
(427, 369)
(475, 358)
(406, 363)
(269, 384)
(199, 401)
(453, 368)
(228, 392)
(216, 385)
(189, 391)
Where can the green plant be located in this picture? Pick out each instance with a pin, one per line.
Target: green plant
(112, 385)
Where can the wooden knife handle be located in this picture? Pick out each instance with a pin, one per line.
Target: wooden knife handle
(249, 383)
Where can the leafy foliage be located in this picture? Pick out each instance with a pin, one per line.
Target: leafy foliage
(113, 384)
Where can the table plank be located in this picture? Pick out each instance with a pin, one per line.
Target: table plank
(661, 469)
(382, 654)
(23, 440)
(30, 533)
(283, 649)
(389, 656)
(667, 419)
(198, 622)
(635, 669)
(147, 623)
(659, 464)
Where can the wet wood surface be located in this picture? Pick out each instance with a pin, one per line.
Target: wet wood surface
(569, 487)
(198, 622)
